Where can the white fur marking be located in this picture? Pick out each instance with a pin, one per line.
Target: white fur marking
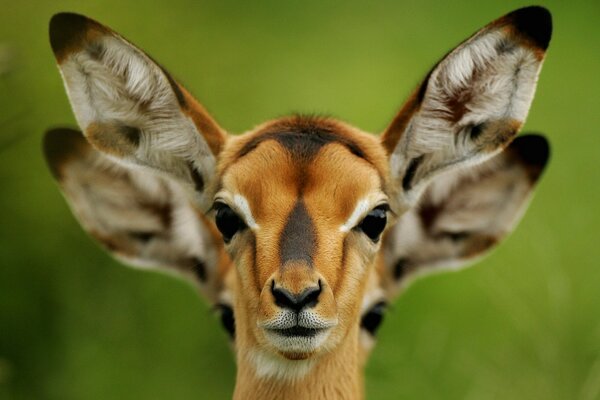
(242, 205)
(362, 208)
(359, 211)
(272, 366)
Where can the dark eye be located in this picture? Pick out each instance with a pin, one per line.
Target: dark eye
(373, 318)
(227, 319)
(374, 223)
(228, 222)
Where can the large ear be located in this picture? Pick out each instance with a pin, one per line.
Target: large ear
(464, 214)
(130, 108)
(471, 105)
(141, 218)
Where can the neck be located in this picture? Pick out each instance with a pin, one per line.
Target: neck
(336, 375)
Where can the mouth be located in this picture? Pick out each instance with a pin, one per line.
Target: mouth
(295, 334)
(297, 342)
(297, 331)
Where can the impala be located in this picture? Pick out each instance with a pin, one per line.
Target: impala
(302, 229)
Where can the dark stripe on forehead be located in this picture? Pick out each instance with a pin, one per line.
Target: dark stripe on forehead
(303, 143)
(298, 239)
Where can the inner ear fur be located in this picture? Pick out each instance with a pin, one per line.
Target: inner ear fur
(464, 214)
(143, 219)
(471, 104)
(131, 108)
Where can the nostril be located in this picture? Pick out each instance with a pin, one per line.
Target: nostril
(310, 297)
(286, 299)
(283, 298)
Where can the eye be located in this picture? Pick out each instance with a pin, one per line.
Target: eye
(228, 222)
(373, 318)
(374, 223)
(227, 319)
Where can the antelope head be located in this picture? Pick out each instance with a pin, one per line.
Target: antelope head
(303, 228)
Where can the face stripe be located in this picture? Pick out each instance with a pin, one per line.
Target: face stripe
(298, 239)
(242, 206)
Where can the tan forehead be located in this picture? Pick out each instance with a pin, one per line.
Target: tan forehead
(330, 183)
(327, 163)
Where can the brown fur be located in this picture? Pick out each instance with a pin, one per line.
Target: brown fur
(112, 138)
(214, 135)
(62, 146)
(69, 33)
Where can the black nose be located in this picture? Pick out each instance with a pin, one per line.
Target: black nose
(307, 298)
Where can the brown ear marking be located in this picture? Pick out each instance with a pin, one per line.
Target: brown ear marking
(533, 150)
(478, 244)
(60, 145)
(114, 138)
(69, 32)
(391, 136)
(401, 267)
(533, 23)
(410, 172)
(196, 178)
(495, 134)
(199, 269)
(214, 135)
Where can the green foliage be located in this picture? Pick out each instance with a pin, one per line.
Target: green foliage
(523, 324)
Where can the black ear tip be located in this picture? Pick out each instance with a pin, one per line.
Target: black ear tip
(67, 30)
(532, 149)
(535, 23)
(59, 144)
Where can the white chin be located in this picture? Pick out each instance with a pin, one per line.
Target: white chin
(297, 344)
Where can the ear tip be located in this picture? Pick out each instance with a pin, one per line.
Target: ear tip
(535, 23)
(532, 149)
(59, 144)
(67, 30)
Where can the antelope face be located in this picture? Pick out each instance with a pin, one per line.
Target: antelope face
(282, 226)
(301, 205)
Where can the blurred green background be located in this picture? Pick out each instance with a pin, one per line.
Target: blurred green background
(523, 324)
